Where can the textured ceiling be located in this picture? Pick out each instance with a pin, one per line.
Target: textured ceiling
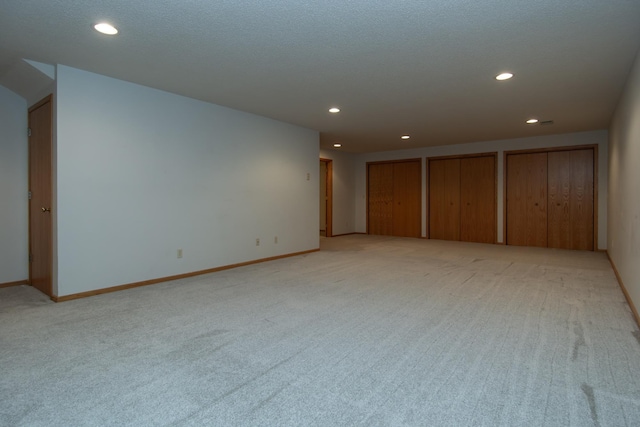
(425, 68)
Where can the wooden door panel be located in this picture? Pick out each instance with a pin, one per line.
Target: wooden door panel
(444, 199)
(582, 200)
(40, 225)
(527, 199)
(380, 199)
(536, 227)
(517, 199)
(570, 199)
(559, 224)
(407, 184)
(478, 199)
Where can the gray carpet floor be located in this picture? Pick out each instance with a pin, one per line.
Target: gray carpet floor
(373, 331)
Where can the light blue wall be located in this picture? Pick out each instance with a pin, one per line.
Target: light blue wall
(624, 186)
(142, 173)
(14, 181)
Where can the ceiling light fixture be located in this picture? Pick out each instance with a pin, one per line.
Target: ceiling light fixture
(105, 28)
(504, 76)
(334, 110)
(532, 121)
(337, 145)
(405, 137)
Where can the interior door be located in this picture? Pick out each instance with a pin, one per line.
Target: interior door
(478, 199)
(380, 199)
(326, 197)
(527, 199)
(323, 198)
(407, 184)
(444, 199)
(40, 226)
(571, 199)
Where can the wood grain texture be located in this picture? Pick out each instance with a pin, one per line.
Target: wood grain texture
(407, 184)
(10, 284)
(380, 199)
(527, 199)
(328, 190)
(570, 199)
(478, 199)
(444, 199)
(40, 223)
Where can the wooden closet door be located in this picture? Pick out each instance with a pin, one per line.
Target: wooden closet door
(444, 199)
(570, 200)
(407, 183)
(380, 197)
(478, 199)
(527, 199)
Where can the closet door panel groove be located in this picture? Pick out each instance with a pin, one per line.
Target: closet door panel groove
(444, 199)
(477, 199)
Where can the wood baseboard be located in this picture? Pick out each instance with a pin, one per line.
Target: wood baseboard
(346, 234)
(624, 290)
(176, 277)
(18, 283)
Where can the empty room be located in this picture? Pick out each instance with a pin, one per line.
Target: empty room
(417, 213)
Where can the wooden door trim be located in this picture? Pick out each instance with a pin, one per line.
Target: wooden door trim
(426, 199)
(382, 162)
(551, 149)
(43, 101)
(464, 156)
(48, 98)
(329, 189)
(596, 180)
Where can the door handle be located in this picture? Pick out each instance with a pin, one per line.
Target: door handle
(46, 209)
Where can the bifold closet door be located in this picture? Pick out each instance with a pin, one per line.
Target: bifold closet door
(407, 206)
(395, 198)
(380, 199)
(571, 199)
(444, 199)
(527, 199)
(478, 199)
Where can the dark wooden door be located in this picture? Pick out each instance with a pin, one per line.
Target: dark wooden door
(407, 183)
(571, 199)
(478, 199)
(40, 225)
(527, 199)
(380, 198)
(444, 199)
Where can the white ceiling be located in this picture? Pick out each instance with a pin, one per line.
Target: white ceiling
(425, 68)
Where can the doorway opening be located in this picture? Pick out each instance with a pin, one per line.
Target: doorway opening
(326, 197)
(40, 196)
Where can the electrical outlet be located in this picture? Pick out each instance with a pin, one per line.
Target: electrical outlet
(257, 242)
(179, 253)
(308, 176)
(275, 240)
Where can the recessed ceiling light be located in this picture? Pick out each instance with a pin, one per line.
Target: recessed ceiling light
(337, 145)
(405, 137)
(105, 28)
(504, 76)
(334, 110)
(532, 121)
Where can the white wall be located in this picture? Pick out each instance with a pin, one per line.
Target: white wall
(344, 196)
(141, 173)
(14, 184)
(582, 138)
(624, 186)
